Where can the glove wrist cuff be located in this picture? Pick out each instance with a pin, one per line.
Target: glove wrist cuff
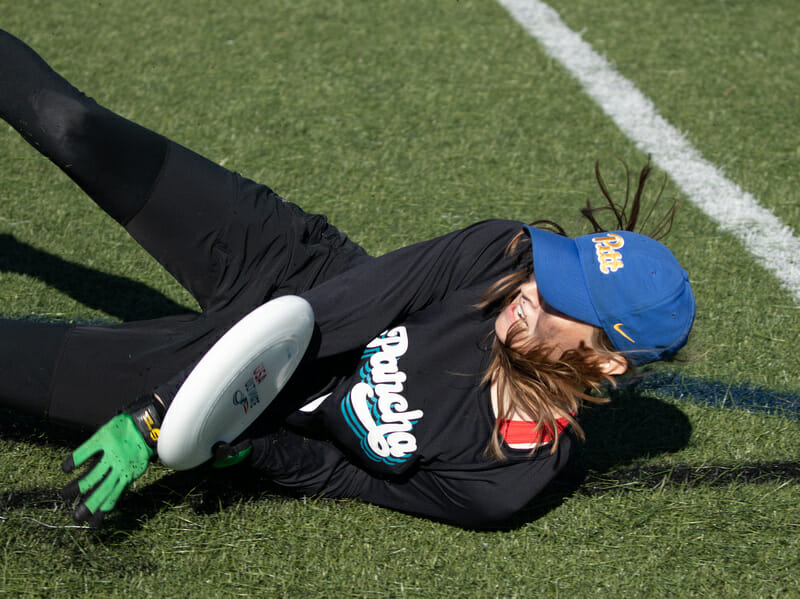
(147, 414)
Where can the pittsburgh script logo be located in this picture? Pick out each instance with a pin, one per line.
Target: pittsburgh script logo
(375, 408)
(608, 255)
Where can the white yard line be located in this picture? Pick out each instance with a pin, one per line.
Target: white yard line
(734, 210)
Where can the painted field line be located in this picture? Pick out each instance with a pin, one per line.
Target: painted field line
(734, 210)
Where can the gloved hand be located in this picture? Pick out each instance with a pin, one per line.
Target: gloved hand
(226, 454)
(123, 448)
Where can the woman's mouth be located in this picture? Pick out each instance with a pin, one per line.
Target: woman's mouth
(513, 313)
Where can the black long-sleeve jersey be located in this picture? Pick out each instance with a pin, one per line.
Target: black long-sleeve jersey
(403, 420)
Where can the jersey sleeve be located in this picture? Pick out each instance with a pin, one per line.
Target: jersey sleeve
(468, 498)
(351, 308)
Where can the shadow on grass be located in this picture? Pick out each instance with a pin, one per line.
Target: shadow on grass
(633, 427)
(117, 296)
(205, 490)
(636, 426)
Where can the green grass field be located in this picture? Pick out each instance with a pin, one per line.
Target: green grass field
(401, 121)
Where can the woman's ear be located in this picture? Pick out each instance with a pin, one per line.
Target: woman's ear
(613, 365)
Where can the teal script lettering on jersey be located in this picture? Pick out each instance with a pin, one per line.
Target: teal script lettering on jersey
(375, 408)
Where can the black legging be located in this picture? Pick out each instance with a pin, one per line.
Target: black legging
(232, 243)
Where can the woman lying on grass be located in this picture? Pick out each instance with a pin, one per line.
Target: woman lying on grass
(444, 379)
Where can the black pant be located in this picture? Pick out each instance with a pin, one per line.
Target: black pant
(231, 242)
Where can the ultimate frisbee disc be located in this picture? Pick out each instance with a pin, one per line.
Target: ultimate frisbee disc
(235, 381)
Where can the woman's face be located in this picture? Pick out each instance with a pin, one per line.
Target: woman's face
(541, 323)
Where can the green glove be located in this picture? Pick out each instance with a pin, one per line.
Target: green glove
(226, 455)
(122, 454)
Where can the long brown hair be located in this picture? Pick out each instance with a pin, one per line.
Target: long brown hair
(528, 381)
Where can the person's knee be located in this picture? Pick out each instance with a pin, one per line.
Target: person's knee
(62, 124)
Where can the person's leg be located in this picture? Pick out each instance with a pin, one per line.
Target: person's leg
(83, 375)
(171, 200)
(207, 226)
(122, 166)
(224, 238)
(29, 352)
(115, 161)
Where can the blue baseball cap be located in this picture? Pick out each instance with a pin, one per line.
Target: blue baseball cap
(628, 284)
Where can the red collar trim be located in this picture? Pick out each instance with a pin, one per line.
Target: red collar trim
(522, 431)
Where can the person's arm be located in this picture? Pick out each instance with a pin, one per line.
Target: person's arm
(353, 307)
(469, 498)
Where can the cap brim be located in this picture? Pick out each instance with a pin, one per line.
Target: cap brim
(559, 275)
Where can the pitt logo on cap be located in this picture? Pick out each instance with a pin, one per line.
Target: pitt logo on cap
(608, 255)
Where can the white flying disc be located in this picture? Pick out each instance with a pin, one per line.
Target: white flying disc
(235, 381)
